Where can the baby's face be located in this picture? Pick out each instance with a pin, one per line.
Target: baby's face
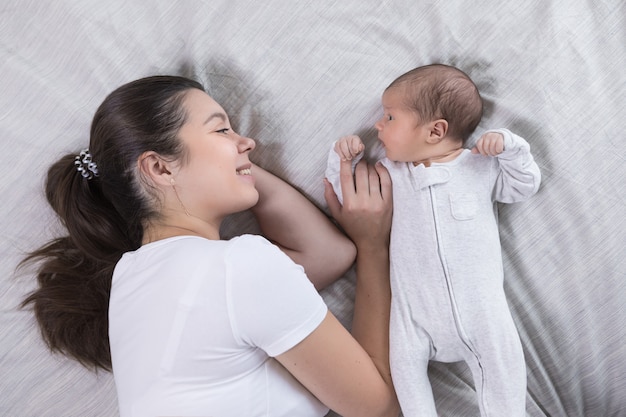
(399, 130)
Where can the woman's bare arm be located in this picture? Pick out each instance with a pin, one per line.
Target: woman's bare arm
(366, 217)
(301, 230)
(350, 373)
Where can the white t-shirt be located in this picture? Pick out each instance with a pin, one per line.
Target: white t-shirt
(194, 324)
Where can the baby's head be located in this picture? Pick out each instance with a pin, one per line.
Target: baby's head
(440, 91)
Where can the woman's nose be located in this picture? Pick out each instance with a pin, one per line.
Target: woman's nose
(245, 144)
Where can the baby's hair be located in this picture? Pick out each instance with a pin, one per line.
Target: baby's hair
(440, 91)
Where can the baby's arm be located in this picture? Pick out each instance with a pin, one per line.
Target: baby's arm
(348, 148)
(519, 176)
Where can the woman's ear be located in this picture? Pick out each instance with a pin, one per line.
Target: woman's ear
(438, 131)
(152, 166)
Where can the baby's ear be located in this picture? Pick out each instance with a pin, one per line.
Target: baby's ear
(438, 131)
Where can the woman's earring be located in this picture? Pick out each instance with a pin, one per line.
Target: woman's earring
(178, 197)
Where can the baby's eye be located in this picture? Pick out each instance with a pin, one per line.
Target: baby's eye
(389, 117)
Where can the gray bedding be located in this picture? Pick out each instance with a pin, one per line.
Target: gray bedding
(298, 75)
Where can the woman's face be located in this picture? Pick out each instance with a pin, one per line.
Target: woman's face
(215, 180)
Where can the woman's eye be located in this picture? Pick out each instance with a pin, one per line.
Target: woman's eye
(225, 130)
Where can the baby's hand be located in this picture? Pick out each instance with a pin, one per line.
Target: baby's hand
(489, 144)
(348, 147)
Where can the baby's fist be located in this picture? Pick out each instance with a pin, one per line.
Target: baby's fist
(348, 147)
(489, 144)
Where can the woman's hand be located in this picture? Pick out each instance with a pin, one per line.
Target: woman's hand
(367, 204)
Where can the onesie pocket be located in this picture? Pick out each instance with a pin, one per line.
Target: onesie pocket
(463, 206)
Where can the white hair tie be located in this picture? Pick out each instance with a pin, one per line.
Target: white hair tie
(85, 165)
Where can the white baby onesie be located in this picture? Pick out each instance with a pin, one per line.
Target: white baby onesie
(448, 302)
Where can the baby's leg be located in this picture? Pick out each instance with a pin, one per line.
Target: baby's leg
(410, 350)
(499, 373)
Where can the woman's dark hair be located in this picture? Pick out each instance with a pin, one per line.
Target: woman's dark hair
(104, 215)
(439, 91)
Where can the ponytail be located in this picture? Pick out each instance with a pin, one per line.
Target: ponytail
(74, 276)
(104, 204)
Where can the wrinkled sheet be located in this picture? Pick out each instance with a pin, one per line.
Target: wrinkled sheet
(297, 75)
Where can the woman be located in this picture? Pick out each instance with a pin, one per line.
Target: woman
(197, 325)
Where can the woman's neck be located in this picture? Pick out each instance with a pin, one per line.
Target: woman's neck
(166, 229)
